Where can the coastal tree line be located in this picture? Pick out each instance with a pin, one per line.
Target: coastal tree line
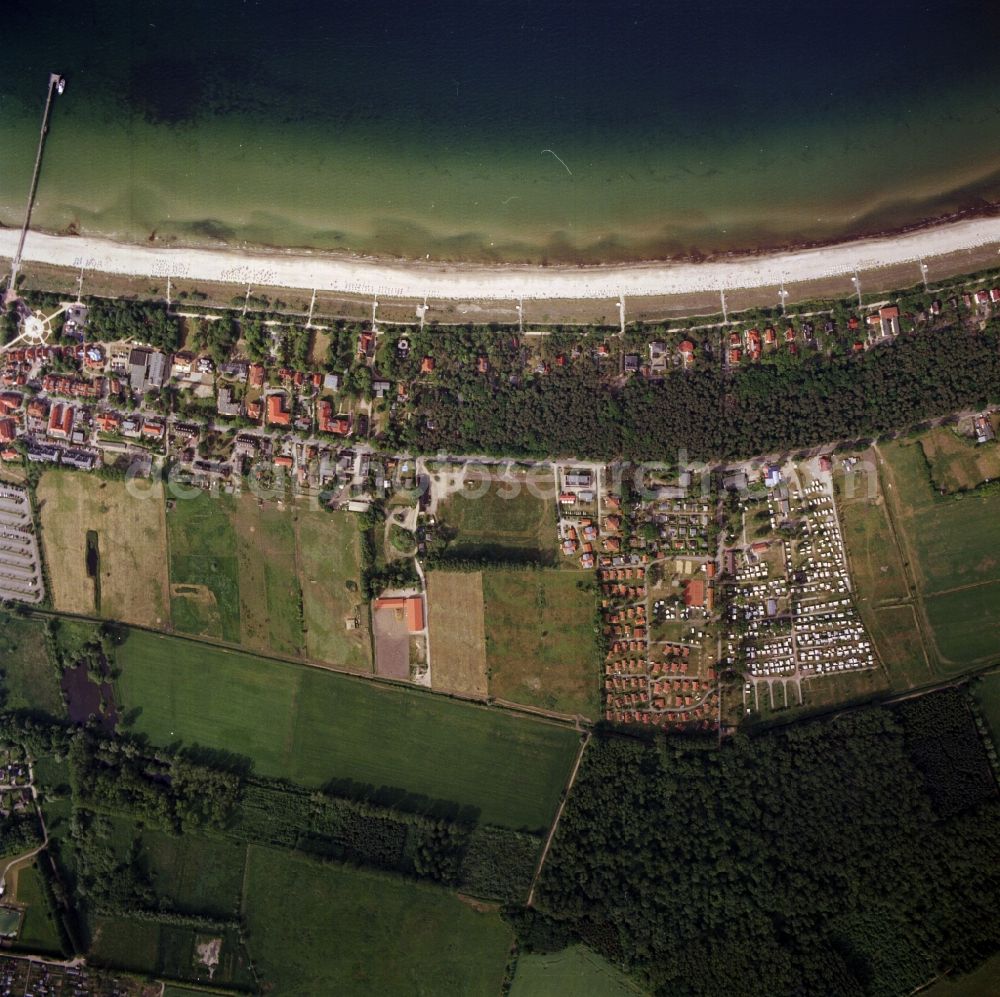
(710, 413)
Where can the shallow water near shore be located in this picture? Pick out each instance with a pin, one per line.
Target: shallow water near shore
(507, 131)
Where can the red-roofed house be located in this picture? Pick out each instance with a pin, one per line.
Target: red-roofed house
(412, 606)
(61, 421)
(277, 414)
(107, 422)
(329, 423)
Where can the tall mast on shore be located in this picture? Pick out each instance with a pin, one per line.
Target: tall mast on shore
(56, 85)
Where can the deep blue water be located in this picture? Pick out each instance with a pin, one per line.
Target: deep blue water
(684, 119)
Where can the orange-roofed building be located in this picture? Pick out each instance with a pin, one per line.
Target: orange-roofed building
(107, 422)
(61, 420)
(427, 365)
(412, 606)
(694, 593)
(8, 430)
(253, 410)
(283, 460)
(10, 401)
(277, 414)
(256, 375)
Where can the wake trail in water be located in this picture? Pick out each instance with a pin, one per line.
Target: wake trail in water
(551, 153)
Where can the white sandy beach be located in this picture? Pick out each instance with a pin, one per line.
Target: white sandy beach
(469, 282)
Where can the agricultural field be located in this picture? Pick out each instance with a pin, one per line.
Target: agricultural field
(271, 576)
(27, 676)
(130, 533)
(492, 527)
(322, 929)
(540, 645)
(164, 949)
(313, 726)
(204, 569)
(881, 589)
(457, 631)
(200, 875)
(38, 930)
(957, 463)
(270, 600)
(952, 545)
(966, 623)
(574, 970)
(328, 547)
(897, 636)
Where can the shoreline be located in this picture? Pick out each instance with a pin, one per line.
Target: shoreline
(371, 276)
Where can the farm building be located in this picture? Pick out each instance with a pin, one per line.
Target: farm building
(412, 606)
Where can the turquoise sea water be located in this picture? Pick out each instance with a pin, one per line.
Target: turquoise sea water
(500, 130)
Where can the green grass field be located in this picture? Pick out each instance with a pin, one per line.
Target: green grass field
(986, 690)
(27, 677)
(327, 929)
(981, 982)
(199, 875)
(875, 560)
(270, 616)
(204, 572)
(574, 971)
(957, 462)
(954, 548)
(956, 539)
(164, 950)
(491, 527)
(882, 594)
(899, 643)
(38, 932)
(125, 944)
(966, 623)
(540, 647)
(312, 726)
(329, 560)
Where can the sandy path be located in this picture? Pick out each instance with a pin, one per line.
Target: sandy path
(470, 282)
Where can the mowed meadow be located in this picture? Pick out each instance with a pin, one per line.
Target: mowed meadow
(953, 546)
(315, 727)
(499, 520)
(275, 576)
(881, 588)
(540, 643)
(131, 572)
(328, 929)
(924, 547)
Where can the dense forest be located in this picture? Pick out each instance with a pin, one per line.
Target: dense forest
(759, 408)
(858, 855)
(144, 322)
